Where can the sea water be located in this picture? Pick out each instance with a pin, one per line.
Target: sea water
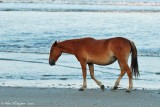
(27, 33)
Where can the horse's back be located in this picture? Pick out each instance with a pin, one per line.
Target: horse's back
(111, 44)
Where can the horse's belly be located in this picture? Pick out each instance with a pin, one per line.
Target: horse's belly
(104, 61)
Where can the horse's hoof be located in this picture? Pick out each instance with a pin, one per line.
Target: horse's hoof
(128, 91)
(81, 89)
(115, 88)
(102, 87)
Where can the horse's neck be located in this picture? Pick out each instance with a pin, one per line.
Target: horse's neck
(67, 47)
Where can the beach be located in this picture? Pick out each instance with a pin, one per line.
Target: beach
(66, 97)
(60, 97)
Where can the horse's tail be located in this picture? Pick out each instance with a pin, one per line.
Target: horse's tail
(134, 60)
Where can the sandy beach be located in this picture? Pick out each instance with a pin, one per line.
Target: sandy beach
(63, 97)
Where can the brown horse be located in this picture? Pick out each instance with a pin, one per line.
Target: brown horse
(102, 52)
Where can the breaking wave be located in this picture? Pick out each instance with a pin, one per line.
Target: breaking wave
(82, 6)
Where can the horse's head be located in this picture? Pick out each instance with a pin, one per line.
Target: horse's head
(55, 53)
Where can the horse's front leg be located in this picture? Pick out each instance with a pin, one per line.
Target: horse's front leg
(84, 73)
(91, 69)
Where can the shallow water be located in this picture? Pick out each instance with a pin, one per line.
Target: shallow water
(33, 70)
(26, 37)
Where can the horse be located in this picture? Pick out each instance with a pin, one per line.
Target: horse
(90, 51)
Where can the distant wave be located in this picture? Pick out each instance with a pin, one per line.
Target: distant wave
(91, 2)
(44, 49)
(141, 52)
(113, 3)
(83, 7)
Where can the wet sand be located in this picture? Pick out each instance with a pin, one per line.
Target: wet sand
(61, 97)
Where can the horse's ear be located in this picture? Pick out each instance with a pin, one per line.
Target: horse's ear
(55, 43)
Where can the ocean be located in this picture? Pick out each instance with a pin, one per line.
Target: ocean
(29, 29)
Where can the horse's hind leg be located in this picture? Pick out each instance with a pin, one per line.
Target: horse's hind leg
(125, 68)
(129, 73)
(91, 69)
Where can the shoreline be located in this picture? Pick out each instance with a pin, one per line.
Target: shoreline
(67, 97)
(38, 73)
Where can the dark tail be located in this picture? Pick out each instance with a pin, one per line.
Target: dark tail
(134, 60)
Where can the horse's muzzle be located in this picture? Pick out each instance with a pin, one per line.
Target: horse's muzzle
(51, 62)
